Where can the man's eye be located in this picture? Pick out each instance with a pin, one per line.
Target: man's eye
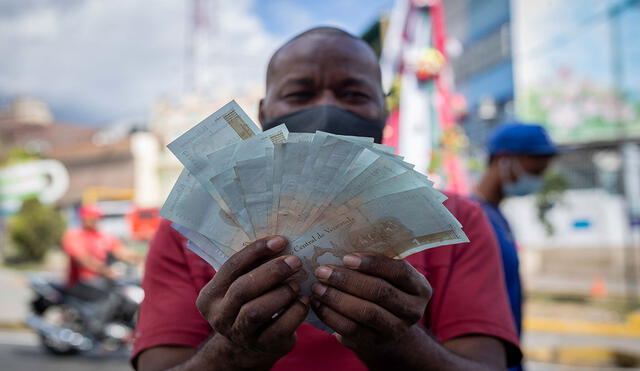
(299, 95)
(355, 95)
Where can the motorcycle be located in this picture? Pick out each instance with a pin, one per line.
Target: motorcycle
(86, 317)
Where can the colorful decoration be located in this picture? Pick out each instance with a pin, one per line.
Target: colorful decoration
(393, 97)
(454, 139)
(459, 106)
(423, 109)
(391, 134)
(424, 3)
(429, 64)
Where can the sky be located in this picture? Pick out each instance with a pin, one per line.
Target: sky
(96, 62)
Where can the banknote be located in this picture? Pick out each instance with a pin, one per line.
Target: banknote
(227, 125)
(289, 159)
(190, 206)
(328, 165)
(256, 184)
(396, 225)
(329, 195)
(226, 187)
(346, 172)
(202, 246)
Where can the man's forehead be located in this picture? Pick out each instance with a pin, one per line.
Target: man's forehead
(342, 55)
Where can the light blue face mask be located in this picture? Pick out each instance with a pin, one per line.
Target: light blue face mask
(525, 183)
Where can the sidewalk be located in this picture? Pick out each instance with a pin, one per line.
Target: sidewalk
(553, 350)
(580, 336)
(16, 293)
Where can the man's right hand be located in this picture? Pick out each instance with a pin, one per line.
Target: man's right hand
(110, 273)
(253, 305)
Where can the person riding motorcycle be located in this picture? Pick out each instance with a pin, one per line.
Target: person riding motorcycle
(95, 310)
(89, 248)
(91, 277)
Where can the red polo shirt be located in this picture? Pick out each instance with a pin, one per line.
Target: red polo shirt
(80, 241)
(469, 296)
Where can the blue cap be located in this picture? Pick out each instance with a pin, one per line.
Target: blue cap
(520, 138)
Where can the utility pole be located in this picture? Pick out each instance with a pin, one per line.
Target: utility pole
(631, 159)
(201, 28)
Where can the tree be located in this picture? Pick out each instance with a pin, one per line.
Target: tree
(553, 188)
(34, 230)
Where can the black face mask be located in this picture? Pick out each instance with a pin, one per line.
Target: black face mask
(330, 119)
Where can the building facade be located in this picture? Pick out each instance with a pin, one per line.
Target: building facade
(574, 67)
(479, 33)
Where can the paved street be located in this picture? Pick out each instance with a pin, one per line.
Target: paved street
(20, 350)
(598, 351)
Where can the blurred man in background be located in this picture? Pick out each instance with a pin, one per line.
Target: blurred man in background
(519, 154)
(89, 248)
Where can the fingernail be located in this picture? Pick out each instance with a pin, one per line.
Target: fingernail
(323, 272)
(293, 261)
(338, 337)
(294, 286)
(319, 289)
(304, 300)
(351, 261)
(276, 243)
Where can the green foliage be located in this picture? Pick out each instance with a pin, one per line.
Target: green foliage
(17, 155)
(393, 97)
(532, 108)
(552, 189)
(34, 230)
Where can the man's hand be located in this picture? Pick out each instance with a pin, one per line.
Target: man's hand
(372, 302)
(253, 305)
(110, 273)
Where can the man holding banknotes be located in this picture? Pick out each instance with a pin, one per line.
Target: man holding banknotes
(439, 309)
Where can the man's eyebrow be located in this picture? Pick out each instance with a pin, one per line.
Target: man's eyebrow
(353, 81)
(305, 81)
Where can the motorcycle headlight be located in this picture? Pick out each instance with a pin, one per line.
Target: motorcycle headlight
(134, 293)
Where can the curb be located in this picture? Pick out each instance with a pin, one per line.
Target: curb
(629, 329)
(592, 357)
(13, 325)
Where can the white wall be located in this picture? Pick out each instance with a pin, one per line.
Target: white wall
(603, 217)
(145, 150)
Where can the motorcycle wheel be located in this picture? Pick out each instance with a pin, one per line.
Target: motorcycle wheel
(56, 348)
(60, 316)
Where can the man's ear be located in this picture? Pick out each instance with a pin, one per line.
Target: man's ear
(261, 115)
(501, 160)
(494, 163)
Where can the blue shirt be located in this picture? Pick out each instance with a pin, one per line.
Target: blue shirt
(510, 261)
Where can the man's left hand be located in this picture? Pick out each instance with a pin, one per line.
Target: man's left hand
(372, 301)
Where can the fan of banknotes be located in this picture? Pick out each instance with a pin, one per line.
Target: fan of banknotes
(329, 195)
